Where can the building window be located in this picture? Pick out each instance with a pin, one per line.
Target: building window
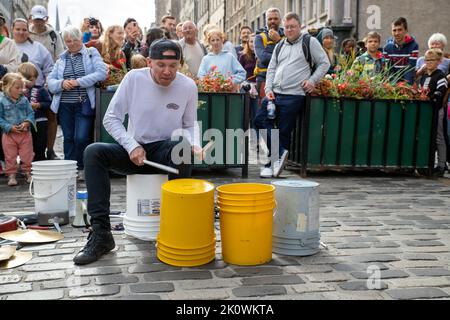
(323, 6)
(312, 14)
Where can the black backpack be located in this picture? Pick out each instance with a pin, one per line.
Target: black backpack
(306, 50)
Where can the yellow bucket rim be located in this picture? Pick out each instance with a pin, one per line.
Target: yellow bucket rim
(170, 250)
(227, 211)
(158, 240)
(187, 258)
(190, 187)
(264, 188)
(245, 203)
(193, 263)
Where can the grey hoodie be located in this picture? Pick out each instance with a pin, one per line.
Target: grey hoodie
(56, 48)
(287, 72)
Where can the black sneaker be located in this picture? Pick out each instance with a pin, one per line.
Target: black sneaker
(99, 243)
(51, 155)
(438, 172)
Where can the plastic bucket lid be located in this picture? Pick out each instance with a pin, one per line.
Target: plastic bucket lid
(188, 187)
(146, 219)
(296, 184)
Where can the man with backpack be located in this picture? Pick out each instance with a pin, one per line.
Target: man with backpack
(265, 41)
(44, 33)
(287, 89)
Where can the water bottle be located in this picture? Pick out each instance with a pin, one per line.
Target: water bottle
(271, 110)
(81, 212)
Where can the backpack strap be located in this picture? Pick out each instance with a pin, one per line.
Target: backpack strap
(306, 46)
(54, 38)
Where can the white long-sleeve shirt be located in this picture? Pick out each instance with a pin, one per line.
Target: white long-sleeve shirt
(155, 112)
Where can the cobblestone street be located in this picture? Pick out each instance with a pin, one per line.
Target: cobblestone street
(399, 224)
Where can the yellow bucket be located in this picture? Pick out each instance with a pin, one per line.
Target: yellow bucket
(184, 263)
(186, 252)
(246, 191)
(187, 214)
(246, 237)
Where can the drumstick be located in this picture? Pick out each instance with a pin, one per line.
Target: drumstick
(162, 167)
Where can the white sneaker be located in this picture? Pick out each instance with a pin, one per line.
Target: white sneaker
(278, 166)
(266, 173)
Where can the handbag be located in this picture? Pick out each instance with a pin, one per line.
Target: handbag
(86, 106)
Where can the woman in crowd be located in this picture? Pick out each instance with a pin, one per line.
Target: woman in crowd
(327, 39)
(436, 41)
(32, 51)
(248, 61)
(113, 55)
(94, 34)
(72, 82)
(221, 60)
(152, 35)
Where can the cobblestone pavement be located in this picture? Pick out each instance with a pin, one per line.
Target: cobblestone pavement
(399, 224)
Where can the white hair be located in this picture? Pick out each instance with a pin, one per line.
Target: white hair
(270, 10)
(71, 32)
(437, 37)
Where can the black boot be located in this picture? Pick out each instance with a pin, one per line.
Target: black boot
(51, 155)
(99, 243)
(439, 172)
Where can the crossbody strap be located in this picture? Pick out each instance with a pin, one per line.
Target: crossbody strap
(75, 75)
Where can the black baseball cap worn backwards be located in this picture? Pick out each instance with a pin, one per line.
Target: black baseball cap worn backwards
(159, 47)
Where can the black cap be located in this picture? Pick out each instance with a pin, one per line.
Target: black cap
(158, 48)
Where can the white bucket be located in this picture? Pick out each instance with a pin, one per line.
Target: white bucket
(54, 186)
(143, 206)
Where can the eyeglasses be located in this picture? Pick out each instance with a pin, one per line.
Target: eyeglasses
(291, 27)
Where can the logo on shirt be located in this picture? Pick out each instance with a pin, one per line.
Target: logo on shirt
(173, 106)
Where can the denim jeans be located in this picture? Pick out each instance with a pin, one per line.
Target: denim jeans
(288, 108)
(101, 158)
(76, 129)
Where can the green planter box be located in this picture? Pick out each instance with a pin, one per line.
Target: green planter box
(349, 133)
(218, 111)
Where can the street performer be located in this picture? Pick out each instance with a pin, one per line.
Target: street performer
(159, 101)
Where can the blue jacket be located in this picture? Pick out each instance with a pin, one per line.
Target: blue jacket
(95, 68)
(14, 113)
(264, 49)
(226, 64)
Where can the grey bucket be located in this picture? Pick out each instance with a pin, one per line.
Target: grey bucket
(296, 222)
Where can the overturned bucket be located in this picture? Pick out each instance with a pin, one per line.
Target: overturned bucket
(142, 218)
(296, 222)
(187, 236)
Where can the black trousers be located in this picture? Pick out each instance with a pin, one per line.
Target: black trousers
(40, 140)
(101, 158)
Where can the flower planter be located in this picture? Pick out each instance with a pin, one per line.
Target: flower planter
(221, 111)
(371, 134)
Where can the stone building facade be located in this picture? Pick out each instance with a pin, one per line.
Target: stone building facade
(18, 8)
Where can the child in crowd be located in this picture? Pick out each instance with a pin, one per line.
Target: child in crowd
(138, 61)
(435, 81)
(372, 61)
(16, 118)
(40, 102)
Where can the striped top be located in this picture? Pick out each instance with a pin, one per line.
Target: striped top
(74, 70)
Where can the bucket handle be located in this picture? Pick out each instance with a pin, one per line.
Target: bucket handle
(276, 209)
(49, 196)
